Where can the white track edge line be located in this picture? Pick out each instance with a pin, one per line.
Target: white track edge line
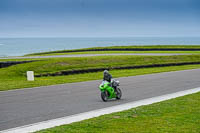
(95, 113)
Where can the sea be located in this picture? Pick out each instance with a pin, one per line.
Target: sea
(22, 46)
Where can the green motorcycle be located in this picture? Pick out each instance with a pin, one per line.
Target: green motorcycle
(110, 90)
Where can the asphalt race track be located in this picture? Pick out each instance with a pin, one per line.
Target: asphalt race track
(31, 105)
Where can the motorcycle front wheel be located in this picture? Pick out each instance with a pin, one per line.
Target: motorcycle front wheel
(104, 96)
(119, 93)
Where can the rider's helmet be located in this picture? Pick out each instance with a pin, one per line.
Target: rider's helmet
(105, 72)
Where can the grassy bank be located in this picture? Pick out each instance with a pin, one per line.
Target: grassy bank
(128, 48)
(10, 82)
(58, 64)
(179, 115)
(14, 77)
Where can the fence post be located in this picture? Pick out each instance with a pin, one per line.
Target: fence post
(30, 75)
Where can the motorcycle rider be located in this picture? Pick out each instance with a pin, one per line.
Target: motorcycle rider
(107, 76)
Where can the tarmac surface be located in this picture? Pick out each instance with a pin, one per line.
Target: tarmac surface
(88, 55)
(31, 105)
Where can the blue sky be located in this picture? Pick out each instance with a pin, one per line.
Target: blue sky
(99, 18)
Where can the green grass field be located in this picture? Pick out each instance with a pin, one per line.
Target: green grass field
(12, 82)
(14, 77)
(179, 115)
(53, 65)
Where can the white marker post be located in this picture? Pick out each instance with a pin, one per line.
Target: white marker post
(30, 75)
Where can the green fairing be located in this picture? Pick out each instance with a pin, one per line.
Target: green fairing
(106, 87)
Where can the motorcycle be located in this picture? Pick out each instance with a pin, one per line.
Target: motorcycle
(110, 90)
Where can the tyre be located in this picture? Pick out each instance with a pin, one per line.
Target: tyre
(119, 93)
(104, 96)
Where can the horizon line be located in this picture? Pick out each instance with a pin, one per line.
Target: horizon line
(96, 36)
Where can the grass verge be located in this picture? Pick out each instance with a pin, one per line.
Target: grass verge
(54, 65)
(179, 115)
(16, 82)
(14, 77)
